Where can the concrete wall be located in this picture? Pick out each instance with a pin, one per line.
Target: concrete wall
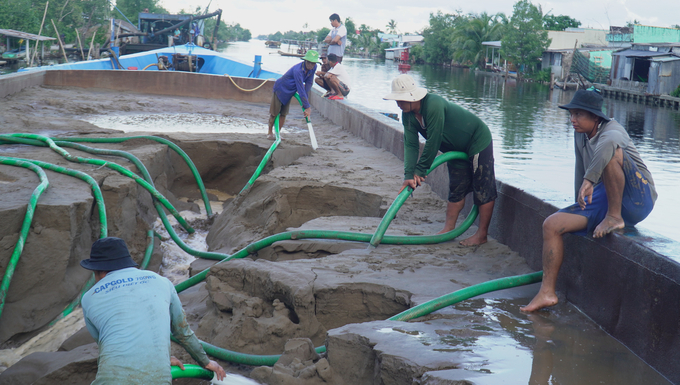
(648, 34)
(627, 283)
(13, 83)
(567, 39)
(151, 82)
(165, 83)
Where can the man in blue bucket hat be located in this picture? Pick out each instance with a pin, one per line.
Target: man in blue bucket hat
(613, 188)
(131, 314)
(299, 78)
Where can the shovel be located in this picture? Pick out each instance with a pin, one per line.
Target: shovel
(312, 137)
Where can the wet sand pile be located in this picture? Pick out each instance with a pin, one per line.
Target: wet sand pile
(289, 297)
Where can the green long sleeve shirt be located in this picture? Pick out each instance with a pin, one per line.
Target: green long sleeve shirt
(447, 127)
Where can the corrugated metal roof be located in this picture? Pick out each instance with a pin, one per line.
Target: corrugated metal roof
(666, 58)
(636, 53)
(24, 35)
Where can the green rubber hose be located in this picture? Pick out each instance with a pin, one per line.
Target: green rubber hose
(466, 293)
(191, 371)
(328, 234)
(26, 225)
(103, 163)
(171, 145)
(268, 155)
(401, 198)
(415, 312)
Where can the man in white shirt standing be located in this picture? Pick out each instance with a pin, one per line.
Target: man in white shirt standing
(337, 37)
(335, 81)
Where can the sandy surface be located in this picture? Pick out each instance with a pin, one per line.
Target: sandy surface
(349, 184)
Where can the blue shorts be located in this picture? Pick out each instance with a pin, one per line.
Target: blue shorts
(637, 200)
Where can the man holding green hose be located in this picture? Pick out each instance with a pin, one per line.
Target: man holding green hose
(131, 313)
(447, 127)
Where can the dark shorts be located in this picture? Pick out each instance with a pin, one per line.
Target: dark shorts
(636, 204)
(477, 177)
(276, 108)
(343, 88)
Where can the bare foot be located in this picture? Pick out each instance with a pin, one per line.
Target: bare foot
(608, 224)
(474, 240)
(271, 137)
(446, 230)
(540, 301)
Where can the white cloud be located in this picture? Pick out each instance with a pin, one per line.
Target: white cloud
(269, 16)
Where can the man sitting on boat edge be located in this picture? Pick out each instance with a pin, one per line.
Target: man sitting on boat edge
(299, 78)
(613, 188)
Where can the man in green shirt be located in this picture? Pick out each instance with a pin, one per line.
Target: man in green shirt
(447, 127)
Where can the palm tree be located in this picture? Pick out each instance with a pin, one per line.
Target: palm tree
(392, 26)
(467, 39)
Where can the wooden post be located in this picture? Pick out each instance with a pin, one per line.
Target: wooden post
(39, 32)
(59, 40)
(82, 55)
(552, 81)
(91, 45)
(566, 76)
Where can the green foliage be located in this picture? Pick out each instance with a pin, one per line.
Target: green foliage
(392, 26)
(471, 32)
(541, 76)
(293, 35)
(20, 16)
(132, 8)
(26, 16)
(559, 23)
(321, 34)
(438, 36)
(226, 32)
(524, 39)
(632, 23)
(367, 43)
(416, 54)
(676, 92)
(351, 27)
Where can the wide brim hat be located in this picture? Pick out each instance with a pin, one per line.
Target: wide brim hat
(312, 56)
(404, 89)
(108, 254)
(590, 101)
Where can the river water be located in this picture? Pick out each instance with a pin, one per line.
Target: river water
(532, 136)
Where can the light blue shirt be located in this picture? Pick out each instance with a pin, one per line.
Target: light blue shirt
(131, 314)
(339, 50)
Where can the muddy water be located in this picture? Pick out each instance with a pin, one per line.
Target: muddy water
(558, 347)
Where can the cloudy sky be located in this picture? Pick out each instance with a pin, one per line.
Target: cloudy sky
(269, 16)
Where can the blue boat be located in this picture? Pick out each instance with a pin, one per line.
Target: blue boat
(185, 58)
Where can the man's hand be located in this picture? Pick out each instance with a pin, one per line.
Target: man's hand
(586, 191)
(413, 183)
(174, 361)
(215, 367)
(307, 111)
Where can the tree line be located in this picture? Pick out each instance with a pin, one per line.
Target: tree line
(456, 38)
(92, 17)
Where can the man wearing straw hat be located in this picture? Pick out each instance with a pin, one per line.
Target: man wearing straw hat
(299, 78)
(131, 313)
(447, 127)
(613, 188)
